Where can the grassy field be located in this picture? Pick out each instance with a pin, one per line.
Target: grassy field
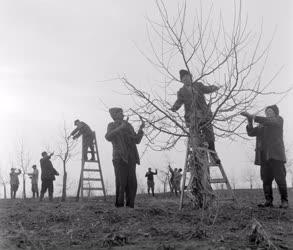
(155, 223)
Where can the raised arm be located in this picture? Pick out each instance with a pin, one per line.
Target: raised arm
(269, 121)
(251, 131)
(207, 89)
(179, 102)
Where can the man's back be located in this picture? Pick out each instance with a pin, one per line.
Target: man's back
(48, 171)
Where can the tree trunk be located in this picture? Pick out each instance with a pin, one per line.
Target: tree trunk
(201, 190)
(5, 195)
(23, 189)
(64, 182)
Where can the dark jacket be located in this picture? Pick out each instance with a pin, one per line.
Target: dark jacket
(269, 139)
(48, 171)
(84, 130)
(124, 142)
(150, 175)
(184, 96)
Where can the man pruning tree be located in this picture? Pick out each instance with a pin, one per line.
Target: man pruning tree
(269, 152)
(82, 129)
(185, 95)
(125, 156)
(47, 175)
(150, 180)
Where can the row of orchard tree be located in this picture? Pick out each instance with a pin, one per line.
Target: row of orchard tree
(66, 150)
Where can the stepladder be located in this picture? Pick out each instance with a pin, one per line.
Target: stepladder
(216, 175)
(91, 182)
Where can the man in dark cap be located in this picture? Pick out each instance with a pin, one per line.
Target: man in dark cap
(150, 180)
(203, 110)
(88, 138)
(47, 175)
(125, 156)
(270, 152)
(14, 182)
(35, 178)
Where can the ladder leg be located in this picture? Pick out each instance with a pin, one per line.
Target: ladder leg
(100, 168)
(184, 177)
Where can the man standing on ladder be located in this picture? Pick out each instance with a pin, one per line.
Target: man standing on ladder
(88, 138)
(125, 156)
(204, 113)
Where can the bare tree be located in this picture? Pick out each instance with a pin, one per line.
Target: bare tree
(232, 57)
(164, 178)
(23, 160)
(66, 151)
(233, 181)
(3, 183)
(250, 175)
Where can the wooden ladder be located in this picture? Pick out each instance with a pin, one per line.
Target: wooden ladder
(211, 164)
(91, 176)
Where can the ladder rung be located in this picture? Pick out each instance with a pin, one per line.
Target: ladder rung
(218, 181)
(92, 179)
(91, 161)
(213, 165)
(87, 188)
(91, 170)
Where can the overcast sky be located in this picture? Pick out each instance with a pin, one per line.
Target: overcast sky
(54, 55)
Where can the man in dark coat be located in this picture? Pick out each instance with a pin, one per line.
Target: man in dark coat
(125, 156)
(150, 180)
(47, 175)
(88, 138)
(203, 110)
(270, 152)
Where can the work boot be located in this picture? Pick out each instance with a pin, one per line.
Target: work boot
(284, 204)
(267, 203)
(93, 158)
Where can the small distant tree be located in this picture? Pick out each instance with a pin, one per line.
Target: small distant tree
(23, 161)
(164, 178)
(250, 176)
(3, 183)
(233, 181)
(66, 151)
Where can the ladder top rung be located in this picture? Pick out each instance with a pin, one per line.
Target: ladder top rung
(218, 181)
(92, 179)
(91, 170)
(91, 161)
(87, 188)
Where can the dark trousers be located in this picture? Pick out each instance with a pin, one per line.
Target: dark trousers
(13, 190)
(274, 170)
(126, 183)
(151, 186)
(88, 142)
(35, 190)
(47, 184)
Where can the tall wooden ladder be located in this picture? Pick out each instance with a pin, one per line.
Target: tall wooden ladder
(211, 164)
(91, 176)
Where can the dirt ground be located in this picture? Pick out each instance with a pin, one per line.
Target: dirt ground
(155, 223)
